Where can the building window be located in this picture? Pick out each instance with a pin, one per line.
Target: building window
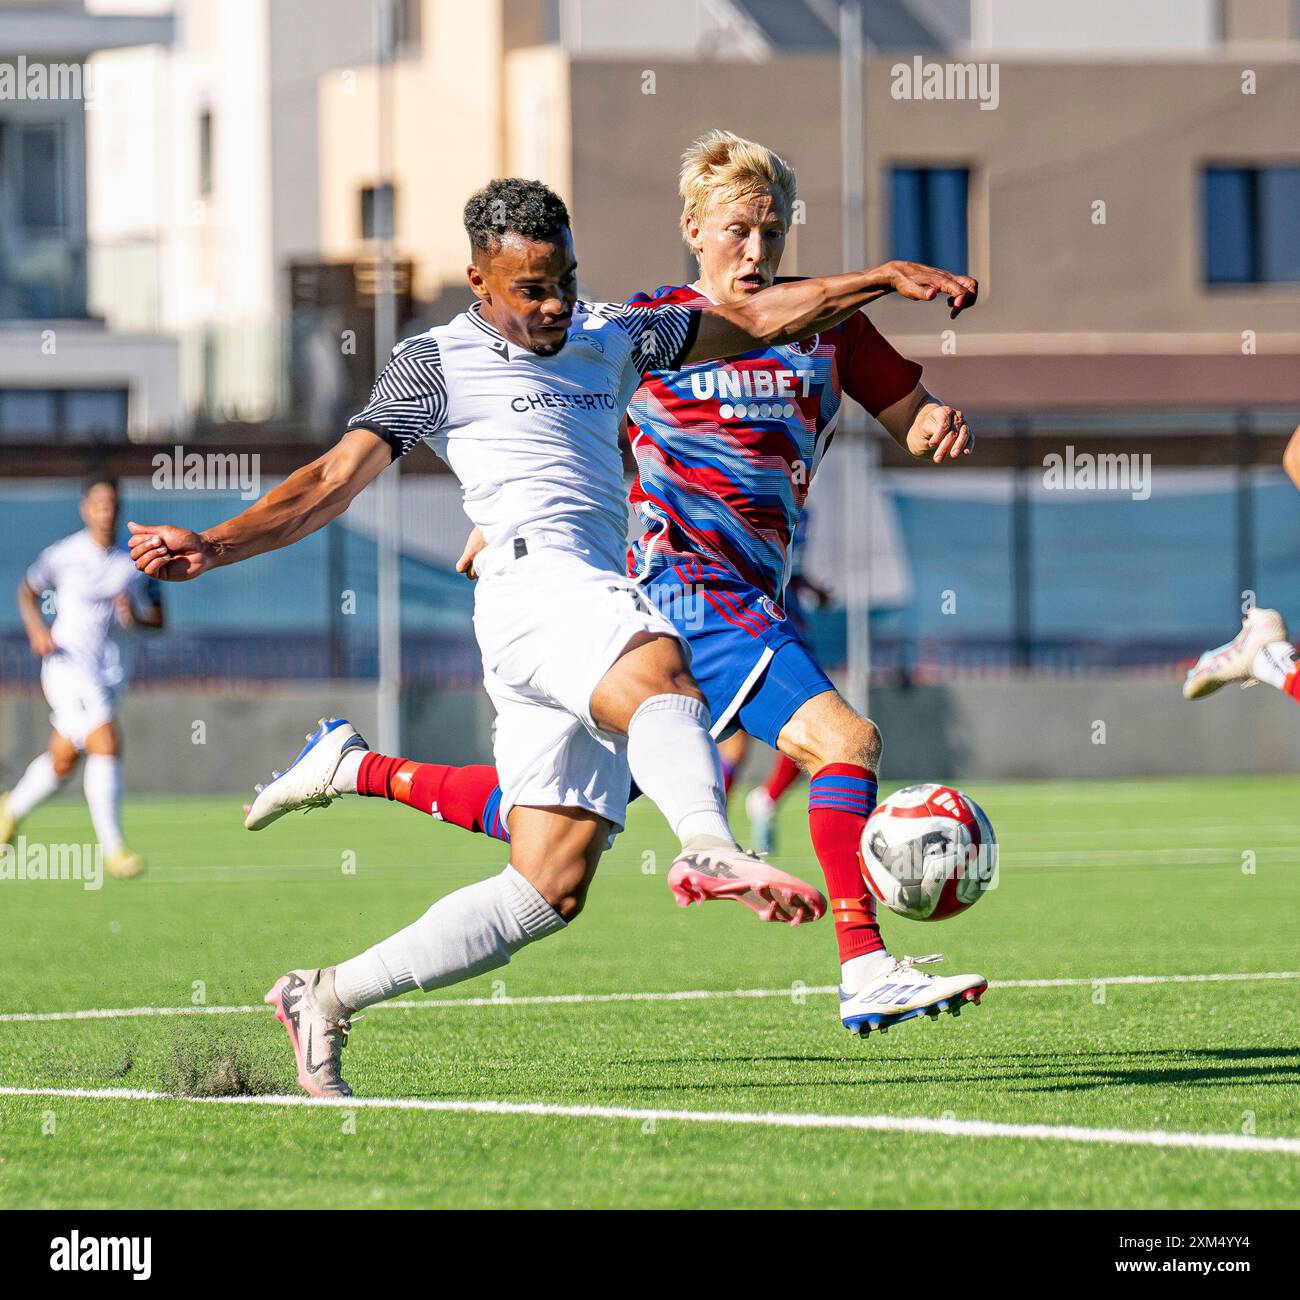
(34, 158)
(928, 218)
(205, 152)
(63, 414)
(408, 20)
(1251, 232)
(378, 212)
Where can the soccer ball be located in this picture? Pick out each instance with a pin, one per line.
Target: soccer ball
(929, 852)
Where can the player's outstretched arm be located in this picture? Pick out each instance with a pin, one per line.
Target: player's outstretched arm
(307, 500)
(786, 312)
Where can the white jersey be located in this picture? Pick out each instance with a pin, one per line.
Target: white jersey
(85, 580)
(532, 439)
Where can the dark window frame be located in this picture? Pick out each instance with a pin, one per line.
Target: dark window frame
(1252, 170)
(370, 210)
(927, 252)
(61, 430)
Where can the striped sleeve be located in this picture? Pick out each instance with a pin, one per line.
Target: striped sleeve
(661, 336)
(409, 399)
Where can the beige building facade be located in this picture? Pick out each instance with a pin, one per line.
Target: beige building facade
(1085, 217)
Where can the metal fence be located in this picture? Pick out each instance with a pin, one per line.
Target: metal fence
(1072, 544)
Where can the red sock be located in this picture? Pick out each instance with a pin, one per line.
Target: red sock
(785, 772)
(464, 796)
(840, 798)
(728, 776)
(1291, 686)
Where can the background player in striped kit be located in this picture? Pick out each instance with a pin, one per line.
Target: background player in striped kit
(725, 454)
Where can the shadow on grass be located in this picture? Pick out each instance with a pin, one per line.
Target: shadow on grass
(1029, 1071)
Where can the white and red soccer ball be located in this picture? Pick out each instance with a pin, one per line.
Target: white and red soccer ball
(929, 852)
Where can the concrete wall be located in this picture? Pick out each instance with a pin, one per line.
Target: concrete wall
(246, 736)
(1002, 729)
(984, 730)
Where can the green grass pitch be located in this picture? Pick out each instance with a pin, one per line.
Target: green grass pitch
(1098, 880)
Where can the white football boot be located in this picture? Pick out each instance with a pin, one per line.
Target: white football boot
(761, 811)
(901, 992)
(1235, 662)
(305, 783)
(317, 1024)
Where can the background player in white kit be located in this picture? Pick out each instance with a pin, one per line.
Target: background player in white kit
(98, 593)
(523, 396)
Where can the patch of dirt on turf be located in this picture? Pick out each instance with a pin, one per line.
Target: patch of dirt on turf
(209, 1060)
(123, 1067)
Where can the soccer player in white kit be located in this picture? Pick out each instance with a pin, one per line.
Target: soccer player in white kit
(522, 395)
(97, 593)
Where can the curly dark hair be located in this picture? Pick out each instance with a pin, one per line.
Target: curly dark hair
(510, 206)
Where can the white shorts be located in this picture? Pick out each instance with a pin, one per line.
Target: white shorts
(550, 625)
(80, 700)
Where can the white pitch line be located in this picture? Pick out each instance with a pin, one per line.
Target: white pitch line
(967, 1128)
(124, 1013)
(681, 995)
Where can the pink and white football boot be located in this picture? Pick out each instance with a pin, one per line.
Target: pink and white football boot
(724, 871)
(317, 1024)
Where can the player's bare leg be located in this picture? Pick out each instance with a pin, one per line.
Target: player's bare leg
(473, 930)
(651, 697)
(43, 777)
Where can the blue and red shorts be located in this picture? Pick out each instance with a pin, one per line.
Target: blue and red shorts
(747, 656)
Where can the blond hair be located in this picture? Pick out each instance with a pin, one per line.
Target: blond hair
(721, 167)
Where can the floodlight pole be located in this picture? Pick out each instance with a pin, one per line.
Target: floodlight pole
(855, 453)
(388, 486)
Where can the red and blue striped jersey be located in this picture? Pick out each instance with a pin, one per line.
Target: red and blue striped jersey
(726, 450)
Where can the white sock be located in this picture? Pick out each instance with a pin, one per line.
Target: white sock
(34, 786)
(345, 775)
(473, 930)
(1274, 663)
(673, 759)
(103, 786)
(858, 972)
